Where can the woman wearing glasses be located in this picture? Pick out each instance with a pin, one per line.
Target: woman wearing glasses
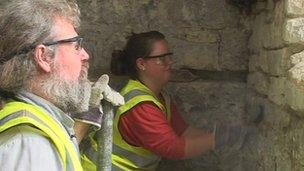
(149, 126)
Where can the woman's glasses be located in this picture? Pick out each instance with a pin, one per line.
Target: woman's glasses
(161, 59)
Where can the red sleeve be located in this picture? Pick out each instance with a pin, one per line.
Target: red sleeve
(178, 124)
(146, 126)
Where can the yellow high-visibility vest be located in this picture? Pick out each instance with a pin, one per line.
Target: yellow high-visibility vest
(17, 113)
(126, 156)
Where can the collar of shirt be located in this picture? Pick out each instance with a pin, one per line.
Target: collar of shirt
(55, 112)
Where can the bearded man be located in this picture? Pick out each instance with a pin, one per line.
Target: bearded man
(43, 73)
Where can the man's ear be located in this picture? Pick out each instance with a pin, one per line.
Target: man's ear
(140, 63)
(42, 59)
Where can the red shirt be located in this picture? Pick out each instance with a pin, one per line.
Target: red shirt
(145, 125)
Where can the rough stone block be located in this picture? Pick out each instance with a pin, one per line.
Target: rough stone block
(297, 139)
(272, 145)
(294, 7)
(259, 7)
(297, 58)
(294, 96)
(274, 28)
(262, 61)
(259, 62)
(275, 116)
(196, 35)
(194, 55)
(273, 62)
(294, 30)
(277, 90)
(183, 75)
(233, 49)
(281, 154)
(213, 100)
(277, 62)
(296, 74)
(253, 64)
(259, 82)
(210, 14)
(272, 151)
(258, 36)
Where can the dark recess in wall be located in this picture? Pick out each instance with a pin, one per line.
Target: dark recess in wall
(229, 76)
(243, 5)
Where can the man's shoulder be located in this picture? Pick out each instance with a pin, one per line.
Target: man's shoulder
(22, 134)
(27, 147)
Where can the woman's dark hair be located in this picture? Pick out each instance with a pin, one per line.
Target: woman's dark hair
(139, 45)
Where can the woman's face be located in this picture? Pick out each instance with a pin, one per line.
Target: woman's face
(158, 64)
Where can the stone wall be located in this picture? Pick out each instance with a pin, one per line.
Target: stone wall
(203, 34)
(216, 45)
(276, 82)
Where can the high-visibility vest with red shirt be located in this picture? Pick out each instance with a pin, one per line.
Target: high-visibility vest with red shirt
(126, 156)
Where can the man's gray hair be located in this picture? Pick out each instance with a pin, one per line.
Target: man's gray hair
(23, 25)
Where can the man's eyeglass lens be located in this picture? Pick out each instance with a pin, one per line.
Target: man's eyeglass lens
(76, 39)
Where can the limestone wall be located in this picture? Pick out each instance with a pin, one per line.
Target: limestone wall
(276, 78)
(203, 34)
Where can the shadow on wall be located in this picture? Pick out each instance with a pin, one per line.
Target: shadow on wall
(243, 5)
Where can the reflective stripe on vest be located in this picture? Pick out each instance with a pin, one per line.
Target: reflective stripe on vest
(16, 113)
(136, 92)
(126, 156)
(88, 164)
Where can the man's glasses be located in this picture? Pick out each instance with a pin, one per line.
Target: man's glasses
(161, 59)
(76, 39)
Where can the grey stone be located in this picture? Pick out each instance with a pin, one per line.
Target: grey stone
(294, 8)
(196, 35)
(258, 62)
(268, 28)
(274, 29)
(259, 7)
(182, 75)
(297, 58)
(106, 24)
(258, 36)
(209, 14)
(258, 81)
(296, 74)
(276, 117)
(194, 55)
(211, 101)
(277, 89)
(271, 149)
(296, 144)
(294, 96)
(233, 49)
(294, 30)
(278, 62)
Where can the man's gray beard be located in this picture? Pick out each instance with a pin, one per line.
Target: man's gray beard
(69, 97)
